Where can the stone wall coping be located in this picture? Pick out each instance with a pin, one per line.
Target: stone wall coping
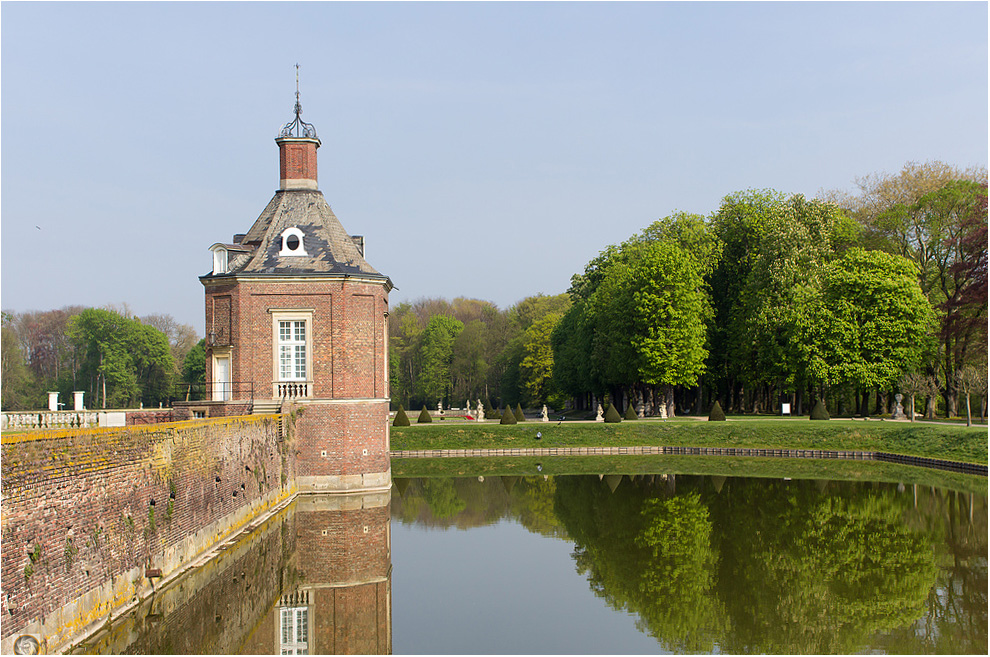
(34, 435)
(921, 461)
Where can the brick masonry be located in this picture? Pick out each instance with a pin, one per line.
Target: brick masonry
(331, 554)
(343, 429)
(87, 512)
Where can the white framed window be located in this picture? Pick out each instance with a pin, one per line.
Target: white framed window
(292, 352)
(294, 630)
(220, 264)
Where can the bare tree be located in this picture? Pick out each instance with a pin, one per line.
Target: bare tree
(971, 380)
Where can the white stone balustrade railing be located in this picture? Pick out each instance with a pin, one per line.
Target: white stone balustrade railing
(291, 389)
(50, 420)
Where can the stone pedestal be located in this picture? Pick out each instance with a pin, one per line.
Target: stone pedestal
(77, 400)
(53, 402)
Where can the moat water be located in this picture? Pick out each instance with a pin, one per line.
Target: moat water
(585, 564)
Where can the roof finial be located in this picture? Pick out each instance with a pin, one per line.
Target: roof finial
(297, 127)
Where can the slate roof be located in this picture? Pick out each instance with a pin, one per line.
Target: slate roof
(331, 251)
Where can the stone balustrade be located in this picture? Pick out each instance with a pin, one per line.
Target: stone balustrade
(61, 419)
(49, 419)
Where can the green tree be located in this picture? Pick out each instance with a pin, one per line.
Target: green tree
(20, 391)
(923, 213)
(874, 318)
(767, 280)
(536, 368)
(124, 361)
(436, 355)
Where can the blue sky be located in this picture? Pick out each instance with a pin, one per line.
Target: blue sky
(484, 149)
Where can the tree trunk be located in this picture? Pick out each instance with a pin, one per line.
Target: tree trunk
(969, 415)
(912, 408)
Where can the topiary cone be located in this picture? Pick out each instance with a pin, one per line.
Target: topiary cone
(517, 411)
(819, 412)
(508, 417)
(401, 419)
(716, 414)
(424, 416)
(612, 415)
(631, 413)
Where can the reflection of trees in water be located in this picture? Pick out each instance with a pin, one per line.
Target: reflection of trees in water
(955, 620)
(818, 571)
(646, 553)
(465, 502)
(751, 565)
(772, 566)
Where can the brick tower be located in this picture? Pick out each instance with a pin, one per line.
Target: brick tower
(296, 320)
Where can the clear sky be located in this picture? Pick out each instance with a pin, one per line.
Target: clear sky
(486, 150)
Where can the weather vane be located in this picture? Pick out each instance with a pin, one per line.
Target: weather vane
(297, 127)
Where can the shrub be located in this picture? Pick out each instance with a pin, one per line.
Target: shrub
(819, 412)
(631, 413)
(612, 415)
(401, 419)
(493, 415)
(517, 411)
(716, 414)
(508, 417)
(424, 416)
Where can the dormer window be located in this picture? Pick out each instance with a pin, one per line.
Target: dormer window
(219, 260)
(292, 242)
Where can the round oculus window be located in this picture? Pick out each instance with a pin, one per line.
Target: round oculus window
(292, 242)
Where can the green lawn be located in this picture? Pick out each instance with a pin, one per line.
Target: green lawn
(957, 443)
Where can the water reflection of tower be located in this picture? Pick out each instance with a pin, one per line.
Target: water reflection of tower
(341, 602)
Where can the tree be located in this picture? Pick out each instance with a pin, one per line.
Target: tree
(536, 368)
(971, 379)
(923, 213)
(19, 391)
(401, 419)
(874, 318)
(469, 367)
(124, 360)
(437, 353)
(774, 249)
(913, 384)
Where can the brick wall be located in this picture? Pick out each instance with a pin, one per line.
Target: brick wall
(85, 512)
(297, 159)
(354, 437)
(348, 358)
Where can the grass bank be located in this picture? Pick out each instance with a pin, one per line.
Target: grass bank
(775, 468)
(957, 443)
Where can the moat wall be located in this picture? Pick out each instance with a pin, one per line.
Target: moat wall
(88, 513)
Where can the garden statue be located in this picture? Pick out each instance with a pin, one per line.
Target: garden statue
(898, 413)
(543, 416)
(599, 418)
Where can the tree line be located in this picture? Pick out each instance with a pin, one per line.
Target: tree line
(773, 298)
(118, 359)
